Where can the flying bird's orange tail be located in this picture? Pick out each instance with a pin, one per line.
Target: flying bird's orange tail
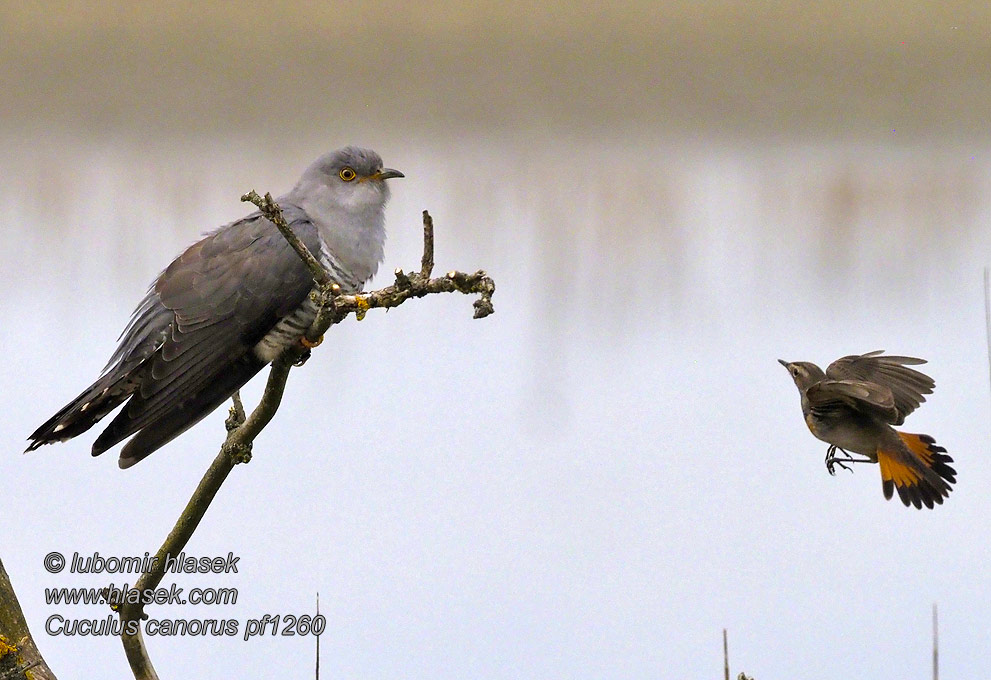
(920, 472)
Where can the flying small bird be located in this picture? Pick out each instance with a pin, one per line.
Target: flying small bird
(852, 407)
(228, 306)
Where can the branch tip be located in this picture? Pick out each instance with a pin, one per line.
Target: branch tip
(427, 261)
(402, 279)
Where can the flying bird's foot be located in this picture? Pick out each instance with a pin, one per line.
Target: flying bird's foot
(832, 461)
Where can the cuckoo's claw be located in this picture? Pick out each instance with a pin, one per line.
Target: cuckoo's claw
(306, 352)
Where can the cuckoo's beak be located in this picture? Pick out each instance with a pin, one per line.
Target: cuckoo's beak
(386, 173)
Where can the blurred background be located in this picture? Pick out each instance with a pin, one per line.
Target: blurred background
(598, 479)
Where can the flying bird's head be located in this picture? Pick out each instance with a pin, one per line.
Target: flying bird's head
(804, 374)
(351, 179)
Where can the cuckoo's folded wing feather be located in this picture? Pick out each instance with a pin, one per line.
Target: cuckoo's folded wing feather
(141, 339)
(907, 385)
(860, 396)
(224, 294)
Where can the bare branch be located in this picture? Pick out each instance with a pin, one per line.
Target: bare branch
(427, 261)
(137, 655)
(241, 431)
(273, 212)
(235, 417)
(236, 449)
(18, 652)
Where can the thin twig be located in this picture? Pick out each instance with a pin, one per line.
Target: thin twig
(427, 261)
(936, 628)
(271, 210)
(725, 657)
(236, 416)
(317, 677)
(411, 286)
(242, 430)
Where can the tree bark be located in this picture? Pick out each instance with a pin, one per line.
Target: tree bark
(18, 653)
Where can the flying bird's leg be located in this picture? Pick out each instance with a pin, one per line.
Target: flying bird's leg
(832, 460)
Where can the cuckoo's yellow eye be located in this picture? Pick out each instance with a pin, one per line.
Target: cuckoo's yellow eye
(347, 174)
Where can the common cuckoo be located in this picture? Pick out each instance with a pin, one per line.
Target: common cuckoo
(852, 407)
(228, 306)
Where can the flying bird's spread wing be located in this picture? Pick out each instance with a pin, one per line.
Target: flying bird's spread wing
(827, 397)
(907, 385)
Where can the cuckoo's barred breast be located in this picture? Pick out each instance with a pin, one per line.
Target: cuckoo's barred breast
(293, 326)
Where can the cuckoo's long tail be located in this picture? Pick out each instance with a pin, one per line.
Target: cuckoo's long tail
(83, 412)
(919, 471)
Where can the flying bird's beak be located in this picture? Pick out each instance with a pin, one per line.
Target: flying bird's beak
(386, 173)
(783, 363)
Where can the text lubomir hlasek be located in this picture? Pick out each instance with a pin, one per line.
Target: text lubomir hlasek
(174, 564)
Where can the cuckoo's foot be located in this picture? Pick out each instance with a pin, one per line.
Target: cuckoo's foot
(303, 358)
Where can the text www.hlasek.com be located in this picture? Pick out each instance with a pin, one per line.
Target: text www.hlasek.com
(112, 595)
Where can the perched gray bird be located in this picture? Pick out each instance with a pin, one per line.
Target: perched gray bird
(228, 306)
(852, 407)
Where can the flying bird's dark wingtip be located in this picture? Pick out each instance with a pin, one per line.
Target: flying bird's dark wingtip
(38, 440)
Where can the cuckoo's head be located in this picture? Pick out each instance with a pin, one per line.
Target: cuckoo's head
(804, 374)
(351, 178)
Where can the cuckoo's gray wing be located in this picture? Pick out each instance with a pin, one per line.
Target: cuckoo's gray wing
(143, 335)
(207, 311)
(827, 397)
(907, 385)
